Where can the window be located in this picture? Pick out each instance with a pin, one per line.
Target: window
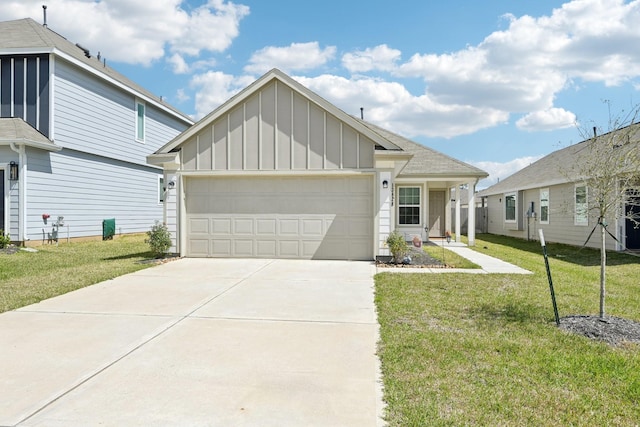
(161, 189)
(409, 205)
(582, 207)
(140, 121)
(544, 206)
(510, 207)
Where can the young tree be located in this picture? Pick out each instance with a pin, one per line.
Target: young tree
(609, 166)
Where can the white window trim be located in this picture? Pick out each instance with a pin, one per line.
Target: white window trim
(504, 210)
(575, 207)
(548, 205)
(420, 210)
(144, 120)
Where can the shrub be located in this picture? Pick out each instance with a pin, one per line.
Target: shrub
(5, 239)
(397, 245)
(159, 239)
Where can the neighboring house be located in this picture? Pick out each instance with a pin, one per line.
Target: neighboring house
(74, 136)
(277, 171)
(541, 196)
(480, 211)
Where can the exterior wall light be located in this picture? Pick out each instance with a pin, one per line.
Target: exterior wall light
(13, 171)
(385, 184)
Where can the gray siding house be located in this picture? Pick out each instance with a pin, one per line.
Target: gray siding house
(279, 172)
(542, 196)
(74, 136)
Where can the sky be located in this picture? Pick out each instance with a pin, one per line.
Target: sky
(495, 83)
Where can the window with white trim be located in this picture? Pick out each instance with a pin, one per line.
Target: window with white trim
(140, 121)
(510, 201)
(408, 205)
(544, 206)
(581, 198)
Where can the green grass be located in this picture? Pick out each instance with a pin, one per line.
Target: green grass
(467, 349)
(450, 259)
(27, 278)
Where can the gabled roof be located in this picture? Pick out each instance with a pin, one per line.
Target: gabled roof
(552, 169)
(263, 81)
(427, 161)
(28, 37)
(17, 131)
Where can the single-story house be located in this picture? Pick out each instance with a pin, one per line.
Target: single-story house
(279, 172)
(551, 195)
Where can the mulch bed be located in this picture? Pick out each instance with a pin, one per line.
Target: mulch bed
(612, 330)
(417, 259)
(9, 250)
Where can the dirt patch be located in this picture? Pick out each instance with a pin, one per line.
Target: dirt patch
(612, 330)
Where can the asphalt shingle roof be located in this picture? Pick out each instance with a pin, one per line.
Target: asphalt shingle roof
(427, 161)
(15, 130)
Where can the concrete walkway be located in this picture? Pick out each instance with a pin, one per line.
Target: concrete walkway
(487, 263)
(216, 342)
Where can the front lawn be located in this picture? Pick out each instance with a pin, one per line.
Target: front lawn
(30, 277)
(468, 349)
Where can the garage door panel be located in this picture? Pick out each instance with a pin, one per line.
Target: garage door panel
(291, 217)
(266, 226)
(243, 226)
(221, 247)
(199, 226)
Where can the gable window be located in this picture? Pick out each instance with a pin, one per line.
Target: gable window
(140, 121)
(161, 189)
(544, 206)
(581, 197)
(409, 205)
(510, 207)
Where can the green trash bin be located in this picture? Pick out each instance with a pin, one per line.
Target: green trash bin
(108, 228)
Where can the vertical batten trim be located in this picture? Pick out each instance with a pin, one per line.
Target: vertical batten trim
(275, 125)
(244, 136)
(213, 147)
(358, 150)
(229, 141)
(324, 139)
(291, 136)
(197, 152)
(260, 130)
(308, 135)
(341, 145)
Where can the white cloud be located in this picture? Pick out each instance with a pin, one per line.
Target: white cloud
(499, 171)
(378, 58)
(553, 118)
(137, 31)
(178, 64)
(212, 89)
(295, 57)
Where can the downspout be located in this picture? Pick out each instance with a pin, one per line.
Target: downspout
(22, 191)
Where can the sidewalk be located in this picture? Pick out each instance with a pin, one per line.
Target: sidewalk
(488, 264)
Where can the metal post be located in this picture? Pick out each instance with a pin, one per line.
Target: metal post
(546, 263)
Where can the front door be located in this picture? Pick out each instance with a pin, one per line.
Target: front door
(436, 213)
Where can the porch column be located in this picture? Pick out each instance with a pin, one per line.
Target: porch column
(471, 217)
(458, 191)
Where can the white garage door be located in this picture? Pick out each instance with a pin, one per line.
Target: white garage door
(290, 217)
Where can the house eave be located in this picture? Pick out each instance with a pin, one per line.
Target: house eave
(165, 160)
(48, 146)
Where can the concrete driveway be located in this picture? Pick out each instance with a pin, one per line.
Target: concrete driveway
(199, 342)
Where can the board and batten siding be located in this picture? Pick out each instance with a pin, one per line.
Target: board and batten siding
(94, 116)
(110, 189)
(277, 129)
(561, 227)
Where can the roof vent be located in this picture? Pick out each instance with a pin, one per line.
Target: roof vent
(44, 12)
(85, 50)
